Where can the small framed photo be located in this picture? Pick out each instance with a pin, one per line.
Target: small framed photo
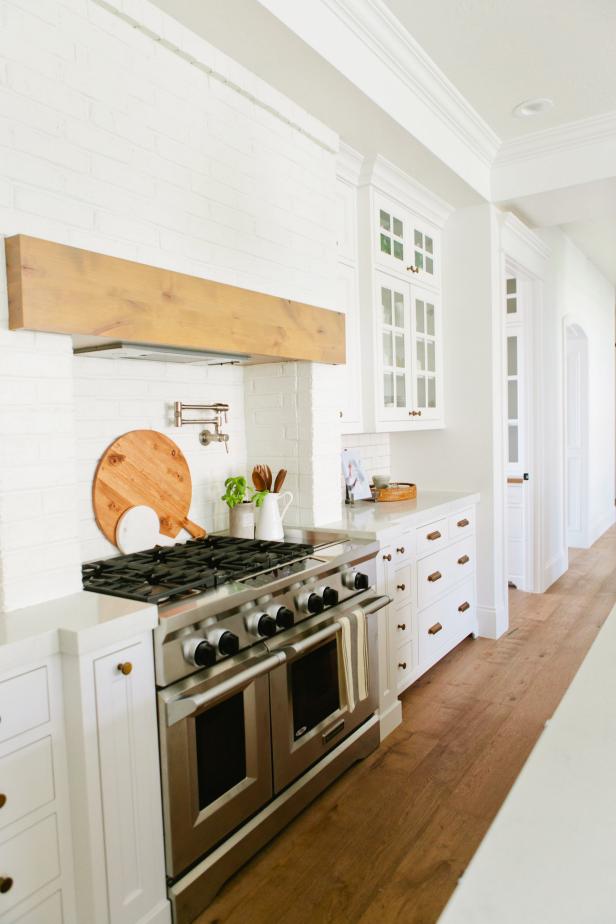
(354, 475)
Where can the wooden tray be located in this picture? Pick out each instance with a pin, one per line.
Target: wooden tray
(397, 491)
(144, 467)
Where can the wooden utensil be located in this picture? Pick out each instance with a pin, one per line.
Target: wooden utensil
(257, 479)
(268, 477)
(144, 467)
(280, 477)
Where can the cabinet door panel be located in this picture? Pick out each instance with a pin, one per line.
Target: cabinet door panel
(127, 736)
(393, 345)
(391, 234)
(424, 251)
(427, 350)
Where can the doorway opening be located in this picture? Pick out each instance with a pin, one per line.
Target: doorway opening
(576, 437)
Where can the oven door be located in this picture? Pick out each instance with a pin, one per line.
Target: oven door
(215, 753)
(327, 685)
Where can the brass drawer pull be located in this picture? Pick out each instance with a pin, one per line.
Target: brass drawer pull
(462, 523)
(2, 800)
(400, 550)
(435, 628)
(463, 560)
(402, 664)
(387, 557)
(432, 536)
(435, 576)
(6, 884)
(464, 607)
(414, 413)
(402, 625)
(125, 668)
(412, 269)
(401, 586)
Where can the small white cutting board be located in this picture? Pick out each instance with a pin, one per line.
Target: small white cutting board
(139, 529)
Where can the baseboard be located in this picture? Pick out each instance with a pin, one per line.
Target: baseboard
(601, 525)
(493, 621)
(390, 719)
(554, 569)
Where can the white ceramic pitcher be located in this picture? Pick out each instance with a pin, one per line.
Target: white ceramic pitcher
(269, 522)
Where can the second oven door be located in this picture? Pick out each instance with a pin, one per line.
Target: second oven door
(216, 757)
(324, 690)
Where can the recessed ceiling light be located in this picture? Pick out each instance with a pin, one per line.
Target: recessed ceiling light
(532, 107)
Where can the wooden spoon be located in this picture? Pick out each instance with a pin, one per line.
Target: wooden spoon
(268, 476)
(257, 479)
(280, 477)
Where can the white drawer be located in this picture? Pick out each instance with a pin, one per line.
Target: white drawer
(434, 576)
(432, 536)
(461, 559)
(24, 703)
(400, 626)
(404, 664)
(49, 911)
(30, 860)
(443, 625)
(460, 524)
(403, 547)
(26, 780)
(400, 589)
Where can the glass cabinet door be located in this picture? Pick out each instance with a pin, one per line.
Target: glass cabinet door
(393, 346)
(423, 256)
(391, 231)
(426, 322)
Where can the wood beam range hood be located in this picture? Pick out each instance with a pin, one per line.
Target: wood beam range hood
(100, 299)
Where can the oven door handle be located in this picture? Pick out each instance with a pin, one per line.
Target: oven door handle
(185, 706)
(321, 635)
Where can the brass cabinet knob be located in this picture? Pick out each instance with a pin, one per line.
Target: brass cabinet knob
(435, 628)
(401, 550)
(340, 414)
(125, 668)
(402, 625)
(402, 664)
(434, 535)
(412, 269)
(463, 523)
(464, 607)
(463, 560)
(2, 800)
(435, 576)
(401, 586)
(414, 413)
(6, 884)
(386, 557)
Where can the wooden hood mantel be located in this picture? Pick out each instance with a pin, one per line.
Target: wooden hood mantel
(66, 290)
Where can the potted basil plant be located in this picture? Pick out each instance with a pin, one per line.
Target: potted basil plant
(239, 498)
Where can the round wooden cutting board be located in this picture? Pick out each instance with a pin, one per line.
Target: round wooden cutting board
(144, 467)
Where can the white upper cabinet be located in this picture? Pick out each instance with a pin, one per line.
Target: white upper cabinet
(402, 370)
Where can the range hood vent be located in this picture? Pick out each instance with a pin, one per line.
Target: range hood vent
(159, 354)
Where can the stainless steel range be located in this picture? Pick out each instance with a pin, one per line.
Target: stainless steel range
(266, 664)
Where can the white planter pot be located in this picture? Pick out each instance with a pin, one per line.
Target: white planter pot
(242, 521)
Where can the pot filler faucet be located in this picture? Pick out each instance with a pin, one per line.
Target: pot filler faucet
(217, 420)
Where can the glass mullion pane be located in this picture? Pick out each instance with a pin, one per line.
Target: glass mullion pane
(512, 355)
(431, 392)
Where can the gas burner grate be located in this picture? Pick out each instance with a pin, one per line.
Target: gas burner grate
(164, 572)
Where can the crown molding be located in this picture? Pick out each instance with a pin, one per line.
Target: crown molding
(515, 234)
(567, 137)
(348, 164)
(384, 35)
(395, 183)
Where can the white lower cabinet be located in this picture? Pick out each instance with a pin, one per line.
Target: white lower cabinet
(115, 785)
(429, 573)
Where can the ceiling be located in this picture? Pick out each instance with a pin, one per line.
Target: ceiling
(500, 52)
(596, 239)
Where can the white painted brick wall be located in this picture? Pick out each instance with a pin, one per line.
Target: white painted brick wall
(373, 449)
(158, 148)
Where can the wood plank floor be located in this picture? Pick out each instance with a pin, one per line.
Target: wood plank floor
(388, 841)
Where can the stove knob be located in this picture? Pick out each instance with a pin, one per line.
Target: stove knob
(228, 644)
(330, 596)
(204, 655)
(266, 626)
(285, 617)
(356, 580)
(199, 652)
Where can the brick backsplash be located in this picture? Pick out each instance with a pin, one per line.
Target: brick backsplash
(175, 156)
(373, 449)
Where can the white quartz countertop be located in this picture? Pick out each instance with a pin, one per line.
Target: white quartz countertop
(550, 854)
(368, 519)
(75, 624)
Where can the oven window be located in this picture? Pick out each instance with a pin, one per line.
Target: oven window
(221, 749)
(314, 687)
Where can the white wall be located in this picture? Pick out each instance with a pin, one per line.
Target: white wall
(465, 455)
(577, 292)
(127, 134)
